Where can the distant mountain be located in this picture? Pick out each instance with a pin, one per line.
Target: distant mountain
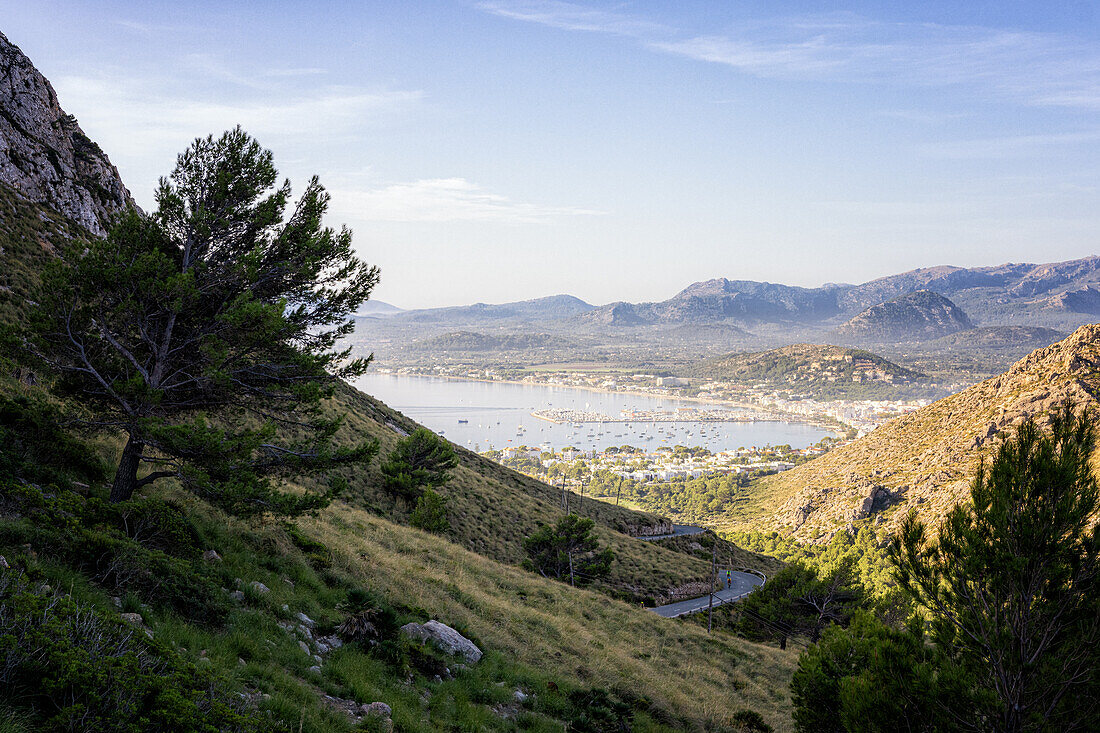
(718, 300)
(554, 307)
(471, 341)
(926, 459)
(614, 314)
(1080, 300)
(1060, 295)
(1012, 292)
(804, 366)
(919, 316)
(378, 308)
(998, 338)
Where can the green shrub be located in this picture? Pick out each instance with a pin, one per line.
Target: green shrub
(89, 671)
(430, 513)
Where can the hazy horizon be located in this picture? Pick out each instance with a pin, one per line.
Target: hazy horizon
(503, 150)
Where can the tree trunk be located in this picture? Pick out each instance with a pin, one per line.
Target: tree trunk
(126, 475)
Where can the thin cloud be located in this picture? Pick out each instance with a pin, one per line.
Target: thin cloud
(1042, 69)
(571, 16)
(148, 118)
(445, 200)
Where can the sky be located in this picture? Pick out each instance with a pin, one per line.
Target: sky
(500, 150)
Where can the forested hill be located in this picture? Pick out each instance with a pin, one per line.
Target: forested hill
(806, 365)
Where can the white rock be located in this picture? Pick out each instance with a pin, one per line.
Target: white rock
(305, 619)
(259, 587)
(211, 556)
(520, 696)
(380, 709)
(445, 638)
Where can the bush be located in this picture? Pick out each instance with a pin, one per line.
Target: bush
(420, 461)
(430, 513)
(90, 671)
(88, 535)
(568, 549)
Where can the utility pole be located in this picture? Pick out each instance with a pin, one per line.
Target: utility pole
(713, 575)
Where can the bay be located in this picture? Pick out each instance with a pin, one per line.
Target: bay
(498, 415)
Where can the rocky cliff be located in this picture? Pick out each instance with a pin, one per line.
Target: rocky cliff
(926, 459)
(45, 156)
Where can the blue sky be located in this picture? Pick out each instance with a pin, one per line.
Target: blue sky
(496, 150)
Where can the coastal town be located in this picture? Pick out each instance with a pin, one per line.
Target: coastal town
(592, 469)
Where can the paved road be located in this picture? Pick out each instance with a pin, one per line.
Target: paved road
(743, 584)
(678, 530)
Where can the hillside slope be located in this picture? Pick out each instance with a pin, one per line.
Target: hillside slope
(925, 460)
(492, 509)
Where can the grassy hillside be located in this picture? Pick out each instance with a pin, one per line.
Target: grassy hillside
(230, 625)
(28, 235)
(923, 460)
(112, 616)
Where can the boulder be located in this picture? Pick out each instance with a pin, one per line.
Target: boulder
(211, 556)
(259, 587)
(377, 709)
(444, 638)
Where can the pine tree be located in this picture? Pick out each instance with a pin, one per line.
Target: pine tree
(420, 461)
(1011, 584)
(205, 332)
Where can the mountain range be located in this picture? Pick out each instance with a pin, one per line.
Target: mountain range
(1061, 295)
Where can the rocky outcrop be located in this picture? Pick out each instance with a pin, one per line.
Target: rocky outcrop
(925, 460)
(919, 316)
(45, 156)
(444, 638)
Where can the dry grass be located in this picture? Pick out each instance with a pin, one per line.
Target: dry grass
(572, 632)
(492, 508)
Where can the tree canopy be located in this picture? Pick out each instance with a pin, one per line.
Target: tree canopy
(568, 549)
(206, 331)
(422, 460)
(1012, 584)
(1007, 621)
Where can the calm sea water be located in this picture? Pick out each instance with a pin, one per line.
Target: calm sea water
(499, 415)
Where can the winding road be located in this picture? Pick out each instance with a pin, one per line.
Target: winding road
(741, 583)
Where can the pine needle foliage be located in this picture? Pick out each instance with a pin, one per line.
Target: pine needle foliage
(1012, 584)
(206, 331)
